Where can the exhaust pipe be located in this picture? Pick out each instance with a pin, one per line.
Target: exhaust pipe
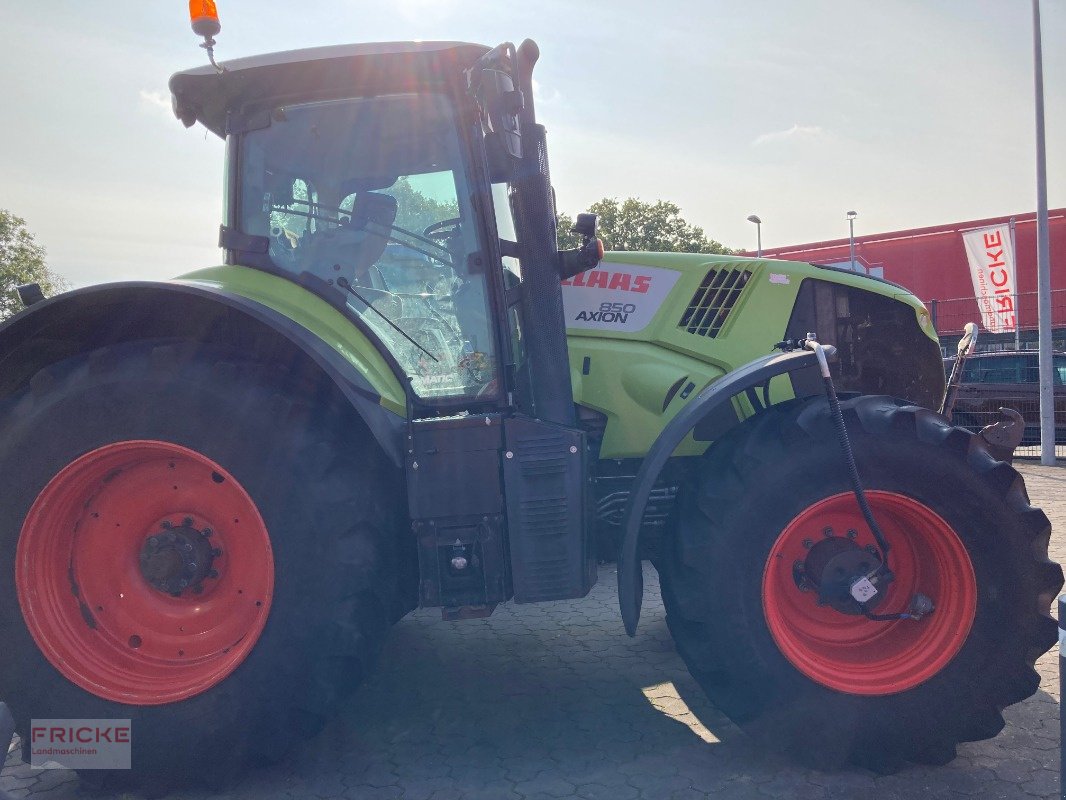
(542, 292)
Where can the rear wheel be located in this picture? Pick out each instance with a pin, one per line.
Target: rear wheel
(185, 546)
(772, 499)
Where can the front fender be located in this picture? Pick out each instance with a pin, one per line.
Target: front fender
(713, 398)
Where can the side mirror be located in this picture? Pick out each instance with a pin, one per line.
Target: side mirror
(589, 254)
(492, 83)
(586, 226)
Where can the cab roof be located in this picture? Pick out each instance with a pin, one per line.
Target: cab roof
(204, 95)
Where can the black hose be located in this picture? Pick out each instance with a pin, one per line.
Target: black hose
(853, 469)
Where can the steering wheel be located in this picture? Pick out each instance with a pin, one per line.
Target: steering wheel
(434, 235)
(443, 230)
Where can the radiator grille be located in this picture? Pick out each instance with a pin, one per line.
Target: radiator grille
(709, 307)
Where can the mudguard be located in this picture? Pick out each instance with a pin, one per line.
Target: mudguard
(108, 313)
(713, 398)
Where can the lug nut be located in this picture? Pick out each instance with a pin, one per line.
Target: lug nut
(187, 522)
(852, 533)
(207, 531)
(166, 525)
(808, 543)
(212, 573)
(827, 532)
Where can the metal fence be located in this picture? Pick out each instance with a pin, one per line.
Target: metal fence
(1005, 381)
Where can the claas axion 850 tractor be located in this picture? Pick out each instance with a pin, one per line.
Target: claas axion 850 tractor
(220, 491)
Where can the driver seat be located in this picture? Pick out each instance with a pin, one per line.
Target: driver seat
(373, 214)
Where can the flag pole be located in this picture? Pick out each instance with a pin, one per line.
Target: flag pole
(1017, 313)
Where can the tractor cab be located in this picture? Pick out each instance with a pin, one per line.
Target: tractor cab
(382, 178)
(407, 185)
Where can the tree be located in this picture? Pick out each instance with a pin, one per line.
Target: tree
(633, 224)
(21, 261)
(416, 211)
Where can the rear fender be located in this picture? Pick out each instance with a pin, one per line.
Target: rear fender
(712, 401)
(83, 320)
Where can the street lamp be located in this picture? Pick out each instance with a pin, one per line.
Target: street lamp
(851, 237)
(758, 232)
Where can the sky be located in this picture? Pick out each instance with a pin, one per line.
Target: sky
(910, 112)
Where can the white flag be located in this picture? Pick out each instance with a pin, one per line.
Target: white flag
(992, 270)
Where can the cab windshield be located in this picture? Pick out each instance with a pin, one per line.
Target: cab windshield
(368, 199)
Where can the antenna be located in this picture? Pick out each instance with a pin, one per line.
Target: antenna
(204, 18)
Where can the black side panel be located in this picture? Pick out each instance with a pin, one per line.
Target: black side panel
(544, 470)
(456, 503)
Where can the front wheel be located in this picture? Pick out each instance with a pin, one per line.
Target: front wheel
(809, 673)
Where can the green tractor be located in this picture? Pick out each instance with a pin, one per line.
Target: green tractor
(396, 392)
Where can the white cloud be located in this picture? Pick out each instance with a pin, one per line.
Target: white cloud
(796, 132)
(155, 102)
(543, 96)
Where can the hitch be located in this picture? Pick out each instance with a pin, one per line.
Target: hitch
(1004, 435)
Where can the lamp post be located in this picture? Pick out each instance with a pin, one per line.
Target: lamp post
(1043, 260)
(851, 238)
(758, 232)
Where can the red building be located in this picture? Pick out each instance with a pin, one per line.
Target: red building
(931, 263)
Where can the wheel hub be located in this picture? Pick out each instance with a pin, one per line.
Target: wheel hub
(854, 653)
(178, 558)
(831, 568)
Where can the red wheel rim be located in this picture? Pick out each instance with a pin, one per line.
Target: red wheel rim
(854, 654)
(87, 600)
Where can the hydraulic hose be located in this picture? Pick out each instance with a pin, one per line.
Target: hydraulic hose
(845, 446)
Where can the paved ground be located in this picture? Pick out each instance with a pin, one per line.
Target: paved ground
(554, 701)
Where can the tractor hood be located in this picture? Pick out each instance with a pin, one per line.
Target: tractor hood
(249, 84)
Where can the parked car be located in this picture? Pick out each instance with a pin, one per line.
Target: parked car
(1008, 379)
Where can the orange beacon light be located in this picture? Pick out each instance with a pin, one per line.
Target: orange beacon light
(204, 17)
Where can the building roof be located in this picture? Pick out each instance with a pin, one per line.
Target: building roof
(809, 250)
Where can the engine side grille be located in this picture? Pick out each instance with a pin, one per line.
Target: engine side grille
(709, 307)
